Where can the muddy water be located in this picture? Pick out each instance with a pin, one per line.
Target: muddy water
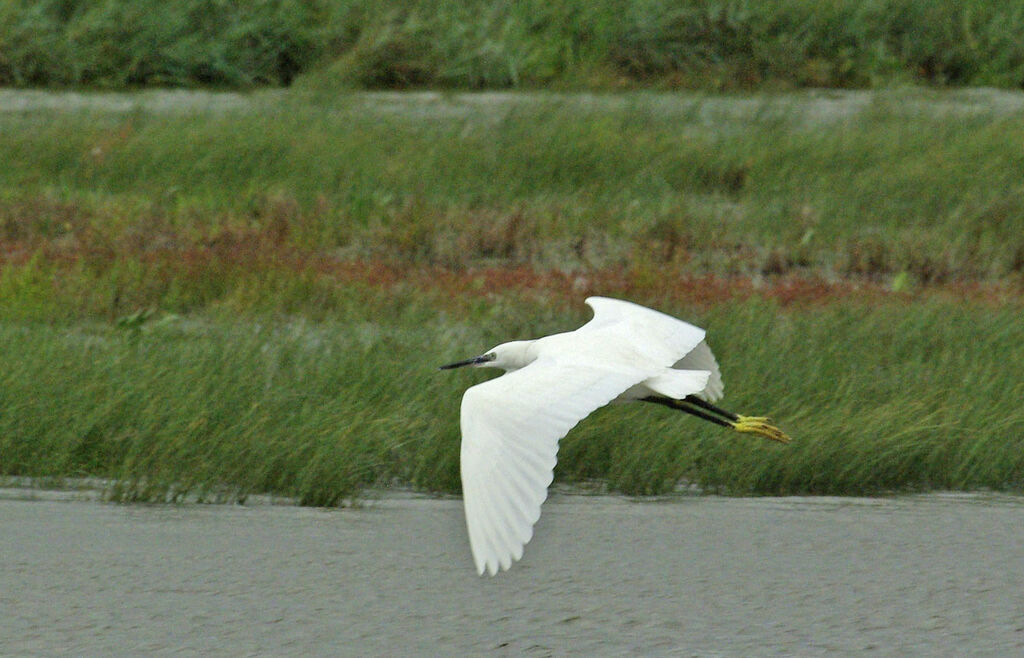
(929, 575)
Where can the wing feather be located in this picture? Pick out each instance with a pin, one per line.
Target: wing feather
(660, 337)
(511, 426)
(701, 358)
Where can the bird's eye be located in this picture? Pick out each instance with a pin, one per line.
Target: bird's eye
(490, 356)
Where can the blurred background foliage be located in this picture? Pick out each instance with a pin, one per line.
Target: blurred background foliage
(205, 296)
(477, 44)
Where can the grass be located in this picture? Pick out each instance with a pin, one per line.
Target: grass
(878, 398)
(210, 304)
(604, 44)
(855, 186)
(114, 44)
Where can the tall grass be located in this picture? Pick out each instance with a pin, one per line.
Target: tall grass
(872, 186)
(117, 44)
(200, 304)
(707, 44)
(878, 398)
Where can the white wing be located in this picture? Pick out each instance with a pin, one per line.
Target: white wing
(511, 426)
(662, 338)
(701, 358)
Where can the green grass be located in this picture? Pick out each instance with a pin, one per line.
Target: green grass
(871, 186)
(209, 304)
(706, 44)
(878, 398)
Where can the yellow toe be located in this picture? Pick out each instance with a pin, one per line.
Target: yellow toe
(761, 426)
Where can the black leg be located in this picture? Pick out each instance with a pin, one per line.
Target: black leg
(697, 402)
(681, 405)
(705, 410)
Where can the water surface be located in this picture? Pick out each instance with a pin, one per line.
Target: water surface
(702, 576)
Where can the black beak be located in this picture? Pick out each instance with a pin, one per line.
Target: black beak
(468, 362)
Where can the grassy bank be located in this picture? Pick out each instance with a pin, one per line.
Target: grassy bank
(898, 185)
(732, 44)
(879, 397)
(252, 297)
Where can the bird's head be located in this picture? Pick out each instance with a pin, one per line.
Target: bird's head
(507, 356)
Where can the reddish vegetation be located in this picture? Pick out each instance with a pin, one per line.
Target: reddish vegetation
(241, 252)
(67, 234)
(706, 290)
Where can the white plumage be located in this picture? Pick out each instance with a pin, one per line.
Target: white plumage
(511, 425)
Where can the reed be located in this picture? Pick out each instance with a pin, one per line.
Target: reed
(879, 398)
(214, 303)
(902, 185)
(605, 44)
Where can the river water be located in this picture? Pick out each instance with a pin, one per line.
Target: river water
(936, 575)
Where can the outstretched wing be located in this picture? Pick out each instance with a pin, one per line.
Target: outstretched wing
(701, 358)
(680, 343)
(662, 338)
(511, 426)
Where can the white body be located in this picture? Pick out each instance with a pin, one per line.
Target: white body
(511, 425)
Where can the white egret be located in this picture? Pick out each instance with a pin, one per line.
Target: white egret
(511, 425)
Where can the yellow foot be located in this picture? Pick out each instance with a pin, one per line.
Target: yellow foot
(760, 425)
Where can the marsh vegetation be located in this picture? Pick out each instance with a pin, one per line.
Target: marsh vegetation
(216, 295)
